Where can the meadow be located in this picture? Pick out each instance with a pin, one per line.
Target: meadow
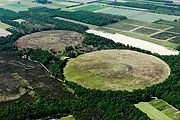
(116, 70)
(90, 8)
(139, 15)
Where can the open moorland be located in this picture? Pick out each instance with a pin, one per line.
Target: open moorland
(116, 69)
(20, 76)
(46, 40)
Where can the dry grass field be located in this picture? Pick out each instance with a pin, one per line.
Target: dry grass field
(46, 40)
(116, 69)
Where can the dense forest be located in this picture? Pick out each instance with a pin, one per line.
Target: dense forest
(162, 9)
(88, 17)
(90, 103)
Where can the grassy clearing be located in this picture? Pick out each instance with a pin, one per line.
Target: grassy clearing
(46, 40)
(166, 109)
(89, 25)
(139, 15)
(4, 26)
(174, 29)
(90, 8)
(142, 37)
(116, 69)
(152, 112)
(171, 23)
(145, 31)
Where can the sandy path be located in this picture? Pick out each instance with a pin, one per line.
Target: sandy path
(154, 48)
(4, 33)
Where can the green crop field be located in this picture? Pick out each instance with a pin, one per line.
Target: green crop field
(151, 111)
(139, 15)
(121, 26)
(146, 31)
(90, 8)
(109, 69)
(166, 109)
(4, 26)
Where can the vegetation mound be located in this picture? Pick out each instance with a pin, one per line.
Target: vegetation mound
(116, 69)
(46, 40)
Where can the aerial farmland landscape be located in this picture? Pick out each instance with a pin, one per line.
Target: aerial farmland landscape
(89, 60)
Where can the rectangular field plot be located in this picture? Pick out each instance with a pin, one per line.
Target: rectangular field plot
(164, 35)
(146, 31)
(151, 111)
(90, 8)
(165, 108)
(151, 17)
(175, 40)
(139, 15)
(147, 24)
(121, 26)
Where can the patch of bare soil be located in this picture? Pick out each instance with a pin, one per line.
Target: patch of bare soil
(4, 33)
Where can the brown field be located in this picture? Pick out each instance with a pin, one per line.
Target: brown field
(46, 40)
(116, 69)
(4, 33)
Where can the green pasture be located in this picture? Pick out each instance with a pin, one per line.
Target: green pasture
(120, 11)
(139, 15)
(151, 111)
(175, 40)
(4, 26)
(89, 25)
(166, 109)
(90, 8)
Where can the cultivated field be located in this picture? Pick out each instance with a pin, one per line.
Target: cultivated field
(160, 34)
(138, 41)
(139, 15)
(116, 69)
(90, 8)
(165, 108)
(151, 111)
(46, 40)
